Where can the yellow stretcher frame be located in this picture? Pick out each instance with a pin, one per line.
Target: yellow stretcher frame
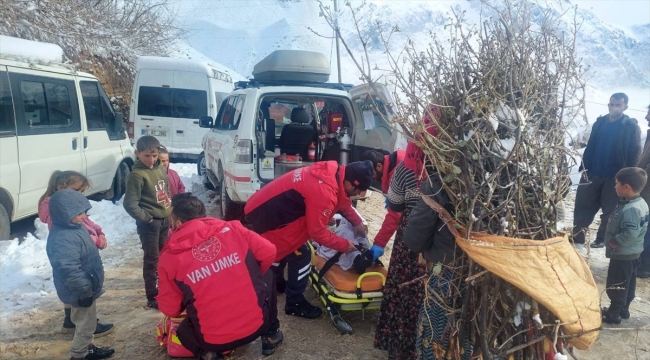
(335, 300)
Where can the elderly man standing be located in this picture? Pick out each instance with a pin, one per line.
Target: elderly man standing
(643, 270)
(614, 144)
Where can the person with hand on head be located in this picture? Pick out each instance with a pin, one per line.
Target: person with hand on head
(384, 166)
(77, 270)
(218, 272)
(147, 200)
(297, 207)
(73, 180)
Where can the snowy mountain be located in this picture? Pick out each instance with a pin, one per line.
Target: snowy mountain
(252, 29)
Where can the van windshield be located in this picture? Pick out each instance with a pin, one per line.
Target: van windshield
(171, 102)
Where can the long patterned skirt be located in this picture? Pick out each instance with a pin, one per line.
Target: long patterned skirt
(396, 328)
(434, 330)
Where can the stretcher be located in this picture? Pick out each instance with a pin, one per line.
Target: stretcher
(342, 290)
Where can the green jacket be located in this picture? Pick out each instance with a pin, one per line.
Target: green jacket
(626, 229)
(147, 193)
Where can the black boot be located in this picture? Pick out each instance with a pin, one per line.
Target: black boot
(68, 325)
(303, 309)
(152, 303)
(271, 341)
(598, 244)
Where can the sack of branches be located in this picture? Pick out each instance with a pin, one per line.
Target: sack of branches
(502, 96)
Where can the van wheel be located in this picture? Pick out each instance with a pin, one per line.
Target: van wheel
(5, 224)
(119, 182)
(229, 209)
(202, 170)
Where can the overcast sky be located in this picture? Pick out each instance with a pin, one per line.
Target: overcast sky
(619, 12)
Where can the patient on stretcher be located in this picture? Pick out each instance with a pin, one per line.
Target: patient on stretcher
(358, 260)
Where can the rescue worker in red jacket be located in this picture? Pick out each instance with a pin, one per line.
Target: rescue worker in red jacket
(297, 207)
(384, 166)
(217, 271)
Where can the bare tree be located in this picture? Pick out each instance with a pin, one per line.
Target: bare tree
(503, 94)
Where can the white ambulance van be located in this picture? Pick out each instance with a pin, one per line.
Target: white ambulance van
(170, 95)
(53, 117)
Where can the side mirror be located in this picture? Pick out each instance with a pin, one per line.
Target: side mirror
(206, 122)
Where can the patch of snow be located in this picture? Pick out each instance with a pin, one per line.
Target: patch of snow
(29, 51)
(184, 150)
(560, 356)
(25, 270)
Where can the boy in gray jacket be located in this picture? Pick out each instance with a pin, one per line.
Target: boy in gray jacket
(626, 230)
(77, 269)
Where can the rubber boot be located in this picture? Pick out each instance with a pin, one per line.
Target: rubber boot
(68, 325)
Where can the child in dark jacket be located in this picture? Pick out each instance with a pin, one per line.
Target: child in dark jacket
(624, 238)
(175, 184)
(77, 270)
(147, 200)
(73, 180)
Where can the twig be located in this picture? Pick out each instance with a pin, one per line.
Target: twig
(421, 278)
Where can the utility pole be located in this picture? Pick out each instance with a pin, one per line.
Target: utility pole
(336, 30)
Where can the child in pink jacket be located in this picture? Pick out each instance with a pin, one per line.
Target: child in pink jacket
(175, 184)
(72, 180)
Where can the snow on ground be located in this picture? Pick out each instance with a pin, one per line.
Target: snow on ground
(25, 272)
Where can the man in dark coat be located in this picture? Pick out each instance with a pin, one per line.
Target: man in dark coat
(77, 270)
(614, 144)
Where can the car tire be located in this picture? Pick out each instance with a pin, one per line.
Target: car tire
(229, 209)
(119, 182)
(202, 170)
(5, 224)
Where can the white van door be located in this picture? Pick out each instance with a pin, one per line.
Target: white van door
(49, 131)
(373, 108)
(9, 169)
(190, 102)
(102, 153)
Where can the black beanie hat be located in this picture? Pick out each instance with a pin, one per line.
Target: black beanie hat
(360, 174)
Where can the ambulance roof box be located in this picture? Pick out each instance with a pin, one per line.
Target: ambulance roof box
(293, 65)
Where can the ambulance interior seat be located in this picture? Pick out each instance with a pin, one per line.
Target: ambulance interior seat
(297, 135)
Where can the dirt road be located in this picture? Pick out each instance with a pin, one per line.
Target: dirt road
(35, 334)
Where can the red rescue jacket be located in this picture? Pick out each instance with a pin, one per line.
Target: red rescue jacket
(297, 207)
(391, 220)
(213, 269)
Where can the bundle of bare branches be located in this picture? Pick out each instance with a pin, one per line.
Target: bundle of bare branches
(502, 95)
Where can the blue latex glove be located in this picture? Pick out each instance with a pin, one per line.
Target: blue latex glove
(386, 202)
(376, 251)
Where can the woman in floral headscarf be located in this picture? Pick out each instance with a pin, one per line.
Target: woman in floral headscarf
(396, 328)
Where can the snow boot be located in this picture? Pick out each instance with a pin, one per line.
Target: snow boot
(271, 341)
(303, 309)
(610, 318)
(68, 325)
(625, 313)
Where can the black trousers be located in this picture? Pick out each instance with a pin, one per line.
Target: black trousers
(192, 338)
(598, 194)
(299, 264)
(153, 237)
(621, 275)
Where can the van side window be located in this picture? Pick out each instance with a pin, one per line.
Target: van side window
(170, 102)
(7, 118)
(99, 111)
(46, 104)
(231, 115)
